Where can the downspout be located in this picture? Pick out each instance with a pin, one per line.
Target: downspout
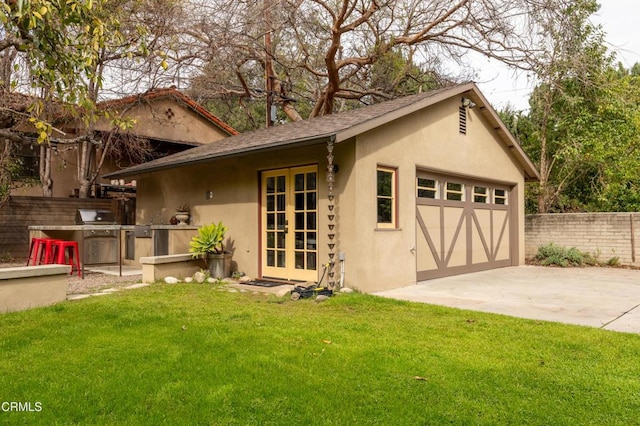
(331, 177)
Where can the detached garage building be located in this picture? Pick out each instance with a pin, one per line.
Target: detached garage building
(419, 187)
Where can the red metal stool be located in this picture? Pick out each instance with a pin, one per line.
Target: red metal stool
(49, 251)
(62, 249)
(34, 249)
(41, 251)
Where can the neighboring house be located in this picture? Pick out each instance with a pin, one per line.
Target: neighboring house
(424, 186)
(170, 120)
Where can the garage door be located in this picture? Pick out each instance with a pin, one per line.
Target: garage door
(462, 226)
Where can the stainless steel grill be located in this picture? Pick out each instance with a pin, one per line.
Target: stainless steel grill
(95, 217)
(100, 246)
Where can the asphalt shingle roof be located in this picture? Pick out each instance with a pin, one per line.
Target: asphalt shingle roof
(343, 124)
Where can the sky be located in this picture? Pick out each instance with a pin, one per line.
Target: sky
(619, 19)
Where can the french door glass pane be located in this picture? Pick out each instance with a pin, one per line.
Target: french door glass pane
(311, 260)
(311, 181)
(271, 258)
(299, 182)
(311, 220)
(281, 259)
(271, 185)
(299, 260)
(299, 220)
(311, 201)
(311, 240)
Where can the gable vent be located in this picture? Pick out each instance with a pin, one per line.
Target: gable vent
(462, 120)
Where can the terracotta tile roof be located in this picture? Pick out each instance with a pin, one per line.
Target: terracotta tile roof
(170, 92)
(16, 103)
(340, 126)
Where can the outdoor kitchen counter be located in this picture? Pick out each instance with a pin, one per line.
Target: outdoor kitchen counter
(120, 244)
(109, 227)
(81, 227)
(97, 244)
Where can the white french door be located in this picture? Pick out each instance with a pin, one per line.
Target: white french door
(290, 223)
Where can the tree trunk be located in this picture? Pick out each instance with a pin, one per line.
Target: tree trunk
(85, 156)
(45, 170)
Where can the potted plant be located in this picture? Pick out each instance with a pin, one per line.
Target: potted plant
(208, 245)
(182, 214)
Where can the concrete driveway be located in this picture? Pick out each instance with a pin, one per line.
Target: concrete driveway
(606, 298)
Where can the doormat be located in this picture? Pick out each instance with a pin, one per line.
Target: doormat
(261, 283)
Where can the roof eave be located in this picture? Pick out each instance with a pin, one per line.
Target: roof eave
(470, 89)
(530, 172)
(137, 171)
(401, 112)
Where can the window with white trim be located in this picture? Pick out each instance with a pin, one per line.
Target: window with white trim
(454, 191)
(427, 188)
(480, 194)
(386, 197)
(500, 196)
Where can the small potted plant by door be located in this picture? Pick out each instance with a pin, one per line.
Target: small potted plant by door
(183, 213)
(208, 245)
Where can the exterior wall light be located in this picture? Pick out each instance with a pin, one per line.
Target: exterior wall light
(468, 103)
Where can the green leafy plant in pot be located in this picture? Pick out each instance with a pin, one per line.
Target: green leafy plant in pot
(208, 245)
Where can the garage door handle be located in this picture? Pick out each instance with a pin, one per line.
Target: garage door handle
(412, 250)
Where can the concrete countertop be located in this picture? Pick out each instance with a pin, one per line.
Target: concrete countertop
(75, 227)
(176, 227)
(107, 227)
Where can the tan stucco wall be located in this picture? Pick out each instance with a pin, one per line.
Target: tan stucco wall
(29, 287)
(235, 186)
(64, 175)
(428, 140)
(374, 259)
(155, 121)
(152, 121)
(178, 266)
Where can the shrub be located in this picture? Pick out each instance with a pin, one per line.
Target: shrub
(552, 254)
(614, 261)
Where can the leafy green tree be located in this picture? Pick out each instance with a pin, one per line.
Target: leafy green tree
(593, 146)
(59, 51)
(566, 106)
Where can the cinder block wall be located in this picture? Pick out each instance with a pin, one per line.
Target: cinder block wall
(603, 234)
(21, 212)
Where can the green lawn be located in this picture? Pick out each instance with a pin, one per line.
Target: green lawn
(191, 354)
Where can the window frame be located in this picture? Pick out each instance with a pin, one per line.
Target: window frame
(504, 190)
(435, 188)
(461, 192)
(486, 194)
(28, 156)
(504, 197)
(393, 197)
